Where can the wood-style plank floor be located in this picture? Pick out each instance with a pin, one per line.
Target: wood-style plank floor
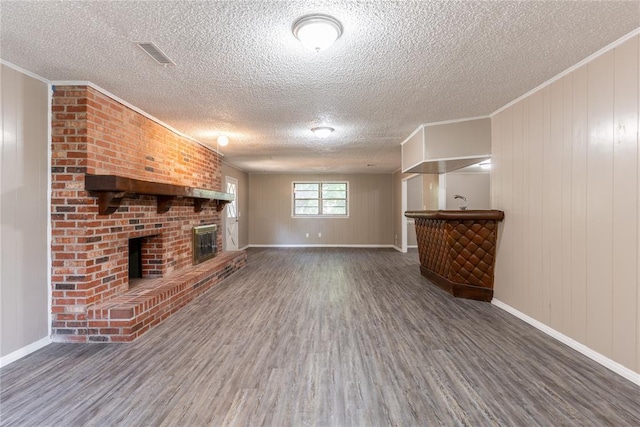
(322, 337)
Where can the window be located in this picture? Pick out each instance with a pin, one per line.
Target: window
(326, 199)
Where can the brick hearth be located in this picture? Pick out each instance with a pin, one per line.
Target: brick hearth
(131, 314)
(94, 134)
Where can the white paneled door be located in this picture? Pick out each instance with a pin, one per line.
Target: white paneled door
(231, 218)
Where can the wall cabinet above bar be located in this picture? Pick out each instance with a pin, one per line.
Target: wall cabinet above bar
(447, 146)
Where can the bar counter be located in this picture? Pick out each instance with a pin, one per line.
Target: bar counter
(457, 250)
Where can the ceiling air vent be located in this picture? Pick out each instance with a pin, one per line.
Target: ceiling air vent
(153, 51)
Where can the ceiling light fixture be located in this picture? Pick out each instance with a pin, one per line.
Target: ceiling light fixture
(485, 165)
(317, 32)
(322, 131)
(223, 140)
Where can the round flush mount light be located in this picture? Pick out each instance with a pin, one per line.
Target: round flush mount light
(317, 32)
(223, 140)
(322, 131)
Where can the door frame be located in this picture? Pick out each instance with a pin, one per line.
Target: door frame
(225, 215)
(403, 202)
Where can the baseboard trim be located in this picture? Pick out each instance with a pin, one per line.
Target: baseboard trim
(22, 352)
(321, 246)
(397, 248)
(243, 248)
(623, 371)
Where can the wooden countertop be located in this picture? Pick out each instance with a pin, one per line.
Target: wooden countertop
(457, 215)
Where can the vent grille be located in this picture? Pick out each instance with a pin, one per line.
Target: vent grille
(153, 51)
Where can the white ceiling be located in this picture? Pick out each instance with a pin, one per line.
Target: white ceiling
(240, 70)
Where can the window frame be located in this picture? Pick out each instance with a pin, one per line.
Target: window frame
(320, 215)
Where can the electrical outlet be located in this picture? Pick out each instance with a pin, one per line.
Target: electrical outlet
(319, 234)
(307, 236)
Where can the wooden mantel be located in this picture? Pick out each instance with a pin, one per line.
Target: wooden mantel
(111, 189)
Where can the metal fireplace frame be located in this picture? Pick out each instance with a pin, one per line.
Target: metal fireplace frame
(196, 242)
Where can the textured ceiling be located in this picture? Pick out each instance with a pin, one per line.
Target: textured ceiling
(240, 70)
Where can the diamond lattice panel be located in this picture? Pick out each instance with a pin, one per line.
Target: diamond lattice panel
(431, 237)
(470, 251)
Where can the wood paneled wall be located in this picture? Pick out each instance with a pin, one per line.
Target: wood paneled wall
(369, 223)
(24, 171)
(566, 173)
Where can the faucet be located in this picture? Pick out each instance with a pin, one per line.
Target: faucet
(463, 206)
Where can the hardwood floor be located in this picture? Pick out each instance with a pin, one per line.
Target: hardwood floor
(321, 337)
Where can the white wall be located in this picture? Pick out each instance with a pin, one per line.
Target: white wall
(24, 219)
(566, 172)
(397, 211)
(414, 203)
(474, 186)
(459, 139)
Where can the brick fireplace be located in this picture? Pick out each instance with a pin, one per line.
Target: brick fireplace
(93, 134)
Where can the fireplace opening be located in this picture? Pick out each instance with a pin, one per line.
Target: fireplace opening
(145, 259)
(204, 243)
(135, 258)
